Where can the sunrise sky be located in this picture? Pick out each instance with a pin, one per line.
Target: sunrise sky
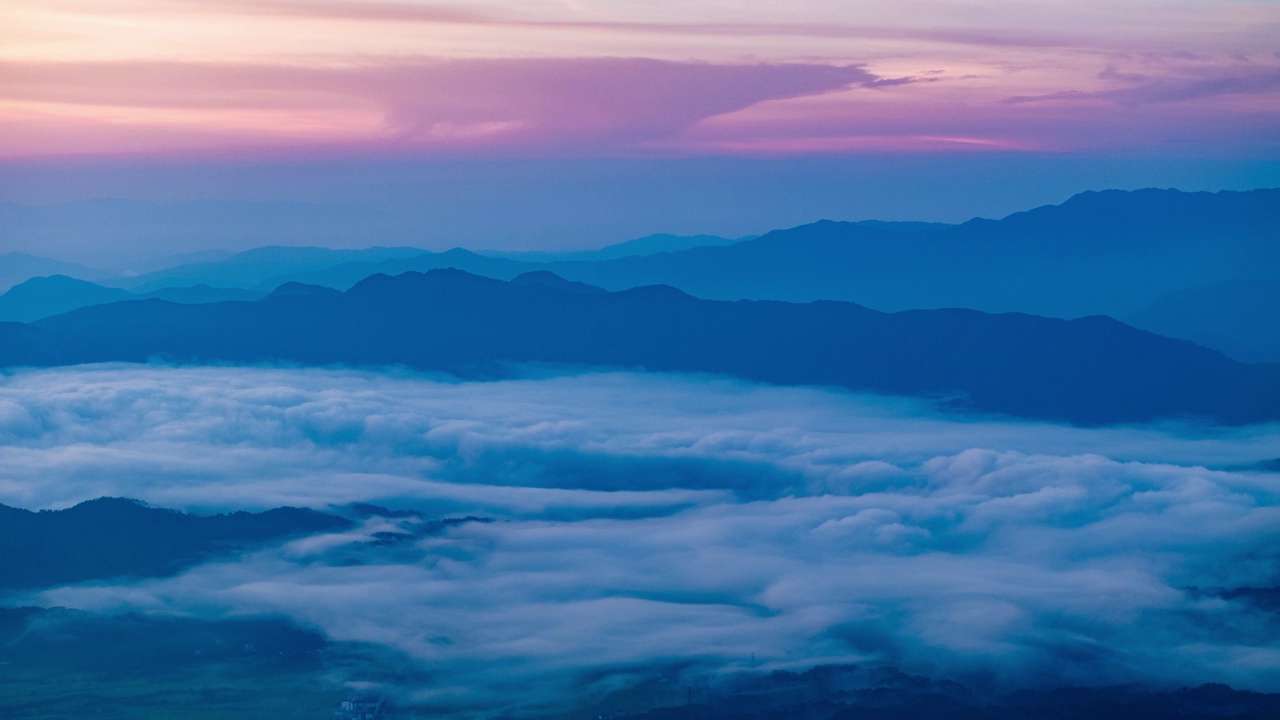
(655, 78)
(149, 82)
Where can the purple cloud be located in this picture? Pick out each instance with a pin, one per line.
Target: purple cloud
(581, 103)
(440, 14)
(1141, 89)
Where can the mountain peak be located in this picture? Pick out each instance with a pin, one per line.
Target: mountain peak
(546, 278)
(294, 289)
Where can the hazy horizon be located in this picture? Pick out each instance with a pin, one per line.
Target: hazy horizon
(70, 229)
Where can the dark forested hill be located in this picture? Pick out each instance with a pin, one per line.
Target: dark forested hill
(112, 537)
(1090, 370)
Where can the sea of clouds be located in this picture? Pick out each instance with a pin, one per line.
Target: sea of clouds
(641, 519)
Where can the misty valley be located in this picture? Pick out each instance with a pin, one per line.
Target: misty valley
(1017, 468)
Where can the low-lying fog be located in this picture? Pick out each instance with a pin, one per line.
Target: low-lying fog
(647, 518)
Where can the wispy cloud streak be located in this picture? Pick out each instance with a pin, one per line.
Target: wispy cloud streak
(412, 12)
(1243, 79)
(536, 104)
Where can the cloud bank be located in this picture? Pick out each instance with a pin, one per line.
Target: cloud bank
(643, 519)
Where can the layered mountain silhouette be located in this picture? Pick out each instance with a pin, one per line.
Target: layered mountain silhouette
(1089, 370)
(119, 234)
(1115, 253)
(44, 296)
(647, 245)
(1239, 317)
(1098, 253)
(111, 537)
(265, 268)
(1110, 252)
(18, 267)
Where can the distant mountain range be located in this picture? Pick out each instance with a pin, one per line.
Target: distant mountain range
(19, 267)
(41, 297)
(648, 245)
(1090, 370)
(1131, 255)
(1238, 317)
(118, 235)
(266, 268)
(1098, 253)
(1107, 252)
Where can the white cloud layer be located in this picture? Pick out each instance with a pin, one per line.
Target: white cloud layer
(643, 518)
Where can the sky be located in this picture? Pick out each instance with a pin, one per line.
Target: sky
(921, 109)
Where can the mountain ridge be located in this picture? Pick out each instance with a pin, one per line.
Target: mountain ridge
(1106, 252)
(44, 296)
(1088, 370)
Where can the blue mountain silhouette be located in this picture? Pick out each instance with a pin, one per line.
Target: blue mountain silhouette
(1088, 370)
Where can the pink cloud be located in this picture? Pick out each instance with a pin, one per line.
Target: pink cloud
(350, 10)
(605, 101)
(389, 10)
(983, 128)
(576, 104)
(617, 106)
